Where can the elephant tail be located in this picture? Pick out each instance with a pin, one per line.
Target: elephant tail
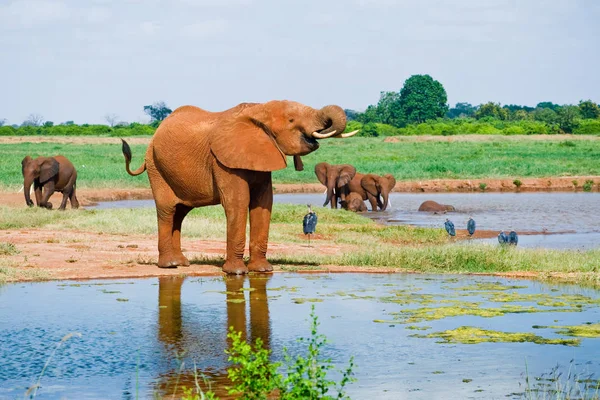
(127, 153)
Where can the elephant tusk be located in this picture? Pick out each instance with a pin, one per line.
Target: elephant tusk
(347, 135)
(322, 135)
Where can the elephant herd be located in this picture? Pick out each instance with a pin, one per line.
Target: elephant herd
(350, 188)
(199, 158)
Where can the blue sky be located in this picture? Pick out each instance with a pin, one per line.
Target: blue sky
(82, 59)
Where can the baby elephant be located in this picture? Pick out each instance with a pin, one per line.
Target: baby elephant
(52, 174)
(354, 202)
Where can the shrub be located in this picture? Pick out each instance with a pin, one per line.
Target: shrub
(483, 186)
(588, 185)
(517, 183)
(586, 127)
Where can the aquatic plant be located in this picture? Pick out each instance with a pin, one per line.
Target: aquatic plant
(558, 385)
(473, 335)
(253, 376)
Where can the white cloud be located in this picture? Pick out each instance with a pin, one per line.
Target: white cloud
(149, 28)
(205, 29)
(28, 13)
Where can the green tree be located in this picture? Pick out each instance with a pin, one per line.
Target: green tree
(589, 110)
(370, 115)
(520, 115)
(389, 109)
(423, 98)
(461, 110)
(548, 104)
(158, 111)
(492, 110)
(568, 118)
(351, 115)
(546, 115)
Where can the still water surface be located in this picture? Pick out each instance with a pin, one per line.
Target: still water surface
(158, 318)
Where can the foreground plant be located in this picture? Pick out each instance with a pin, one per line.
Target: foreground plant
(255, 377)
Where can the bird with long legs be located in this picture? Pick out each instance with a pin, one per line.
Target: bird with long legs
(309, 223)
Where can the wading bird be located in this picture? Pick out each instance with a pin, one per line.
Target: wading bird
(309, 224)
(513, 238)
(502, 238)
(471, 226)
(449, 227)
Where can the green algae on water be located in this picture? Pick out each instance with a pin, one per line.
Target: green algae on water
(585, 330)
(299, 300)
(473, 335)
(488, 286)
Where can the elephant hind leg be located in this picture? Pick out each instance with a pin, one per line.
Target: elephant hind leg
(73, 198)
(180, 212)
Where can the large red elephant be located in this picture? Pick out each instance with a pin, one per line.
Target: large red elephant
(199, 158)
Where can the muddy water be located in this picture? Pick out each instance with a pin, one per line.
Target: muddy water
(132, 330)
(561, 220)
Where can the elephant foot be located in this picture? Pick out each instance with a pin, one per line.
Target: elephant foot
(48, 206)
(172, 261)
(260, 265)
(235, 267)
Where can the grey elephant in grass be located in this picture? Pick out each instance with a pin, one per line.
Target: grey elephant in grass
(52, 174)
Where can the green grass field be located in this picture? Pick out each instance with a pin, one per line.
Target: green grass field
(102, 165)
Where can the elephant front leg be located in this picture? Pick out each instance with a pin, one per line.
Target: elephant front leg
(48, 191)
(235, 201)
(38, 194)
(261, 204)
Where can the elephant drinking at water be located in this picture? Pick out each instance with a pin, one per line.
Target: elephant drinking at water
(198, 158)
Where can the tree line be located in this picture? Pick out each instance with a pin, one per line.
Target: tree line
(421, 107)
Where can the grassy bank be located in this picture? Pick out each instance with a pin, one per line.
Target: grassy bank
(407, 248)
(411, 158)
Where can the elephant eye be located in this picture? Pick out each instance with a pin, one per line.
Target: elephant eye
(291, 119)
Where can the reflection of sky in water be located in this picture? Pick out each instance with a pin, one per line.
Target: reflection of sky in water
(390, 363)
(575, 213)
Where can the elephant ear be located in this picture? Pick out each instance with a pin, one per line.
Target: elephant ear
(370, 183)
(48, 169)
(391, 181)
(347, 172)
(321, 172)
(24, 163)
(245, 143)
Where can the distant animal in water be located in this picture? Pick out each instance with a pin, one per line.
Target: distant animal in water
(432, 206)
(513, 238)
(502, 238)
(52, 174)
(449, 227)
(309, 224)
(471, 226)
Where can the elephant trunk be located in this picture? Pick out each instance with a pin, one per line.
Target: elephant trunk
(27, 189)
(329, 192)
(334, 119)
(385, 193)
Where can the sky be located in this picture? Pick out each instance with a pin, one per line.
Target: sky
(83, 59)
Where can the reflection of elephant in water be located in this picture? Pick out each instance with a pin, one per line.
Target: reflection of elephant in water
(371, 187)
(176, 338)
(198, 158)
(432, 206)
(52, 174)
(354, 202)
(336, 179)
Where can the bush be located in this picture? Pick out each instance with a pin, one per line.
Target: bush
(586, 127)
